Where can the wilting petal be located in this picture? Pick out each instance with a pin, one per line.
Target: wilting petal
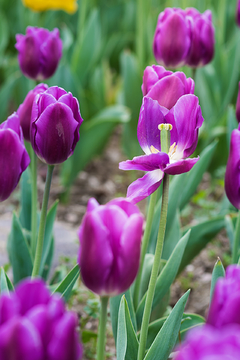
(180, 166)
(232, 176)
(146, 162)
(145, 186)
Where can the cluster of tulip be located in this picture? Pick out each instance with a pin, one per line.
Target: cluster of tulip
(34, 324)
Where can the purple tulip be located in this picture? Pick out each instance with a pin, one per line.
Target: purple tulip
(55, 125)
(39, 52)
(232, 175)
(238, 13)
(172, 38)
(35, 325)
(14, 158)
(225, 305)
(25, 109)
(208, 343)
(110, 241)
(202, 38)
(238, 104)
(160, 107)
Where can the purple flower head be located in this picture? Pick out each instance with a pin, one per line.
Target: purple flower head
(25, 109)
(35, 325)
(202, 38)
(55, 125)
(232, 175)
(208, 343)
(183, 112)
(238, 13)
(14, 158)
(110, 241)
(238, 104)
(172, 38)
(225, 305)
(39, 52)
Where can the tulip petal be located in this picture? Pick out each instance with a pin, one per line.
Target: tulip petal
(52, 45)
(232, 176)
(151, 115)
(151, 75)
(72, 102)
(28, 55)
(145, 186)
(180, 166)
(146, 162)
(9, 307)
(126, 205)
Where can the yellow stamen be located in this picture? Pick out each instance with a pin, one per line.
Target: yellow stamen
(154, 150)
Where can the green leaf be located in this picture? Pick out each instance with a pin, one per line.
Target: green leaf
(200, 236)
(230, 230)
(48, 262)
(6, 284)
(218, 271)
(65, 286)
(19, 252)
(48, 242)
(4, 32)
(127, 343)
(231, 123)
(166, 277)
(98, 128)
(25, 200)
(167, 336)
(188, 320)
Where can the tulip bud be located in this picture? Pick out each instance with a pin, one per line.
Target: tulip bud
(172, 38)
(69, 6)
(39, 52)
(25, 109)
(110, 241)
(202, 38)
(225, 305)
(35, 325)
(232, 175)
(238, 104)
(55, 125)
(14, 158)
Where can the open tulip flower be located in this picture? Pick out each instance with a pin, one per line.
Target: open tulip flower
(110, 241)
(184, 117)
(55, 125)
(14, 158)
(39, 52)
(232, 176)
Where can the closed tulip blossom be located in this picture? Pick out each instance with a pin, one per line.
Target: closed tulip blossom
(55, 125)
(25, 109)
(208, 343)
(165, 104)
(172, 39)
(232, 175)
(69, 6)
(225, 305)
(202, 38)
(39, 52)
(36, 326)
(110, 241)
(14, 158)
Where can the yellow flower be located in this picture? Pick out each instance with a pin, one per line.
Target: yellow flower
(69, 6)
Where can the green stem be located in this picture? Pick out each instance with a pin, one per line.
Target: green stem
(34, 201)
(102, 329)
(42, 225)
(155, 269)
(145, 242)
(194, 71)
(236, 241)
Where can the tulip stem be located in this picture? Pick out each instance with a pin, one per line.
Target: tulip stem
(235, 252)
(194, 70)
(155, 269)
(102, 329)
(34, 201)
(145, 242)
(43, 218)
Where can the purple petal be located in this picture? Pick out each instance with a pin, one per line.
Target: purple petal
(28, 55)
(238, 104)
(151, 75)
(146, 162)
(151, 115)
(56, 92)
(145, 186)
(232, 176)
(180, 166)
(44, 101)
(53, 134)
(31, 293)
(72, 102)
(128, 207)
(9, 307)
(52, 45)
(96, 255)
